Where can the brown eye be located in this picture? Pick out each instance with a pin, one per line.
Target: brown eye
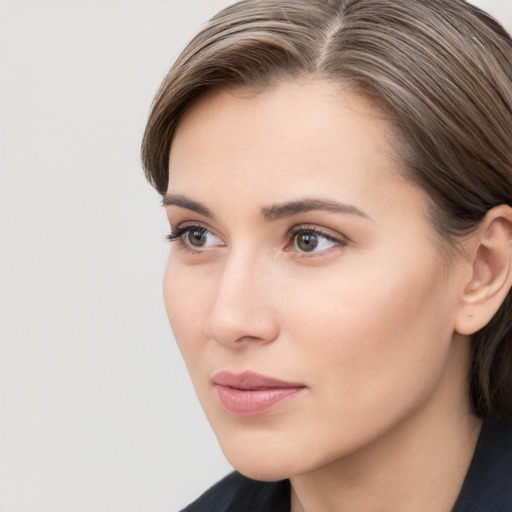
(306, 242)
(197, 237)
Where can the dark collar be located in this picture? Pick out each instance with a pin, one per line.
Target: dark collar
(488, 483)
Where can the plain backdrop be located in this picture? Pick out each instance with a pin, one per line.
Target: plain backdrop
(97, 410)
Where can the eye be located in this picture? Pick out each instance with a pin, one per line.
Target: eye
(309, 240)
(195, 237)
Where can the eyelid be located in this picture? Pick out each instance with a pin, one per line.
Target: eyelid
(183, 227)
(326, 233)
(339, 239)
(178, 232)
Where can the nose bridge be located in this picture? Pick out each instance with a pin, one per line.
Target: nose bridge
(241, 308)
(236, 277)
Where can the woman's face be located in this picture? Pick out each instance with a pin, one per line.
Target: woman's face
(305, 258)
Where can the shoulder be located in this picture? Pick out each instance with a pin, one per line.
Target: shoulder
(236, 493)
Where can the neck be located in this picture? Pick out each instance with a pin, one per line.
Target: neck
(419, 465)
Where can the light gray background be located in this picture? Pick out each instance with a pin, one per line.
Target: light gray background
(97, 410)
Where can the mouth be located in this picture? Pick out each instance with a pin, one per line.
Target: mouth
(251, 394)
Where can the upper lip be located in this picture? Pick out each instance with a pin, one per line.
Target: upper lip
(249, 380)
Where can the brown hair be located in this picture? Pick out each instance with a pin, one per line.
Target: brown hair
(441, 69)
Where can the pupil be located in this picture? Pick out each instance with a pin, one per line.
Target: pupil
(307, 242)
(197, 237)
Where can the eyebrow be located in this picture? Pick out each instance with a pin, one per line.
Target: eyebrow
(184, 202)
(273, 212)
(290, 209)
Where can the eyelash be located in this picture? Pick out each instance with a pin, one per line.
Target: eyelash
(312, 230)
(179, 232)
(178, 235)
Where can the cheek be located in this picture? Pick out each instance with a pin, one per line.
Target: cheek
(184, 303)
(374, 335)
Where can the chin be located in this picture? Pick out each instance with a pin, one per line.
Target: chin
(268, 471)
(268, 461)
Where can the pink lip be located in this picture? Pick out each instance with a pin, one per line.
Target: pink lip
(251, 394)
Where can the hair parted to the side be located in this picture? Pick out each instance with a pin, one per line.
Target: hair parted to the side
(440, 69)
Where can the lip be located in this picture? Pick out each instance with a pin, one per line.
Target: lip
(252, 394)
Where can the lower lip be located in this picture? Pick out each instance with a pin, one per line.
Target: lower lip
(254, 402)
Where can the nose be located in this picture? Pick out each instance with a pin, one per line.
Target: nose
(242, 311)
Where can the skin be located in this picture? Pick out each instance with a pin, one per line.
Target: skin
(365, 321)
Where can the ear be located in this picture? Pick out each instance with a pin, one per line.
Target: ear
(490, 277)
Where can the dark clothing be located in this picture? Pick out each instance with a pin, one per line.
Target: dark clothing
(236, 493)
(488, 483)
(487, 486)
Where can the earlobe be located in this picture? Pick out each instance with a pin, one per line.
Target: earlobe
(490, 279)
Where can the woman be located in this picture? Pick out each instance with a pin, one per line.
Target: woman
(338, 181)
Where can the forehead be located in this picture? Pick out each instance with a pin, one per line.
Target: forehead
(297, 110)
(297, 138)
